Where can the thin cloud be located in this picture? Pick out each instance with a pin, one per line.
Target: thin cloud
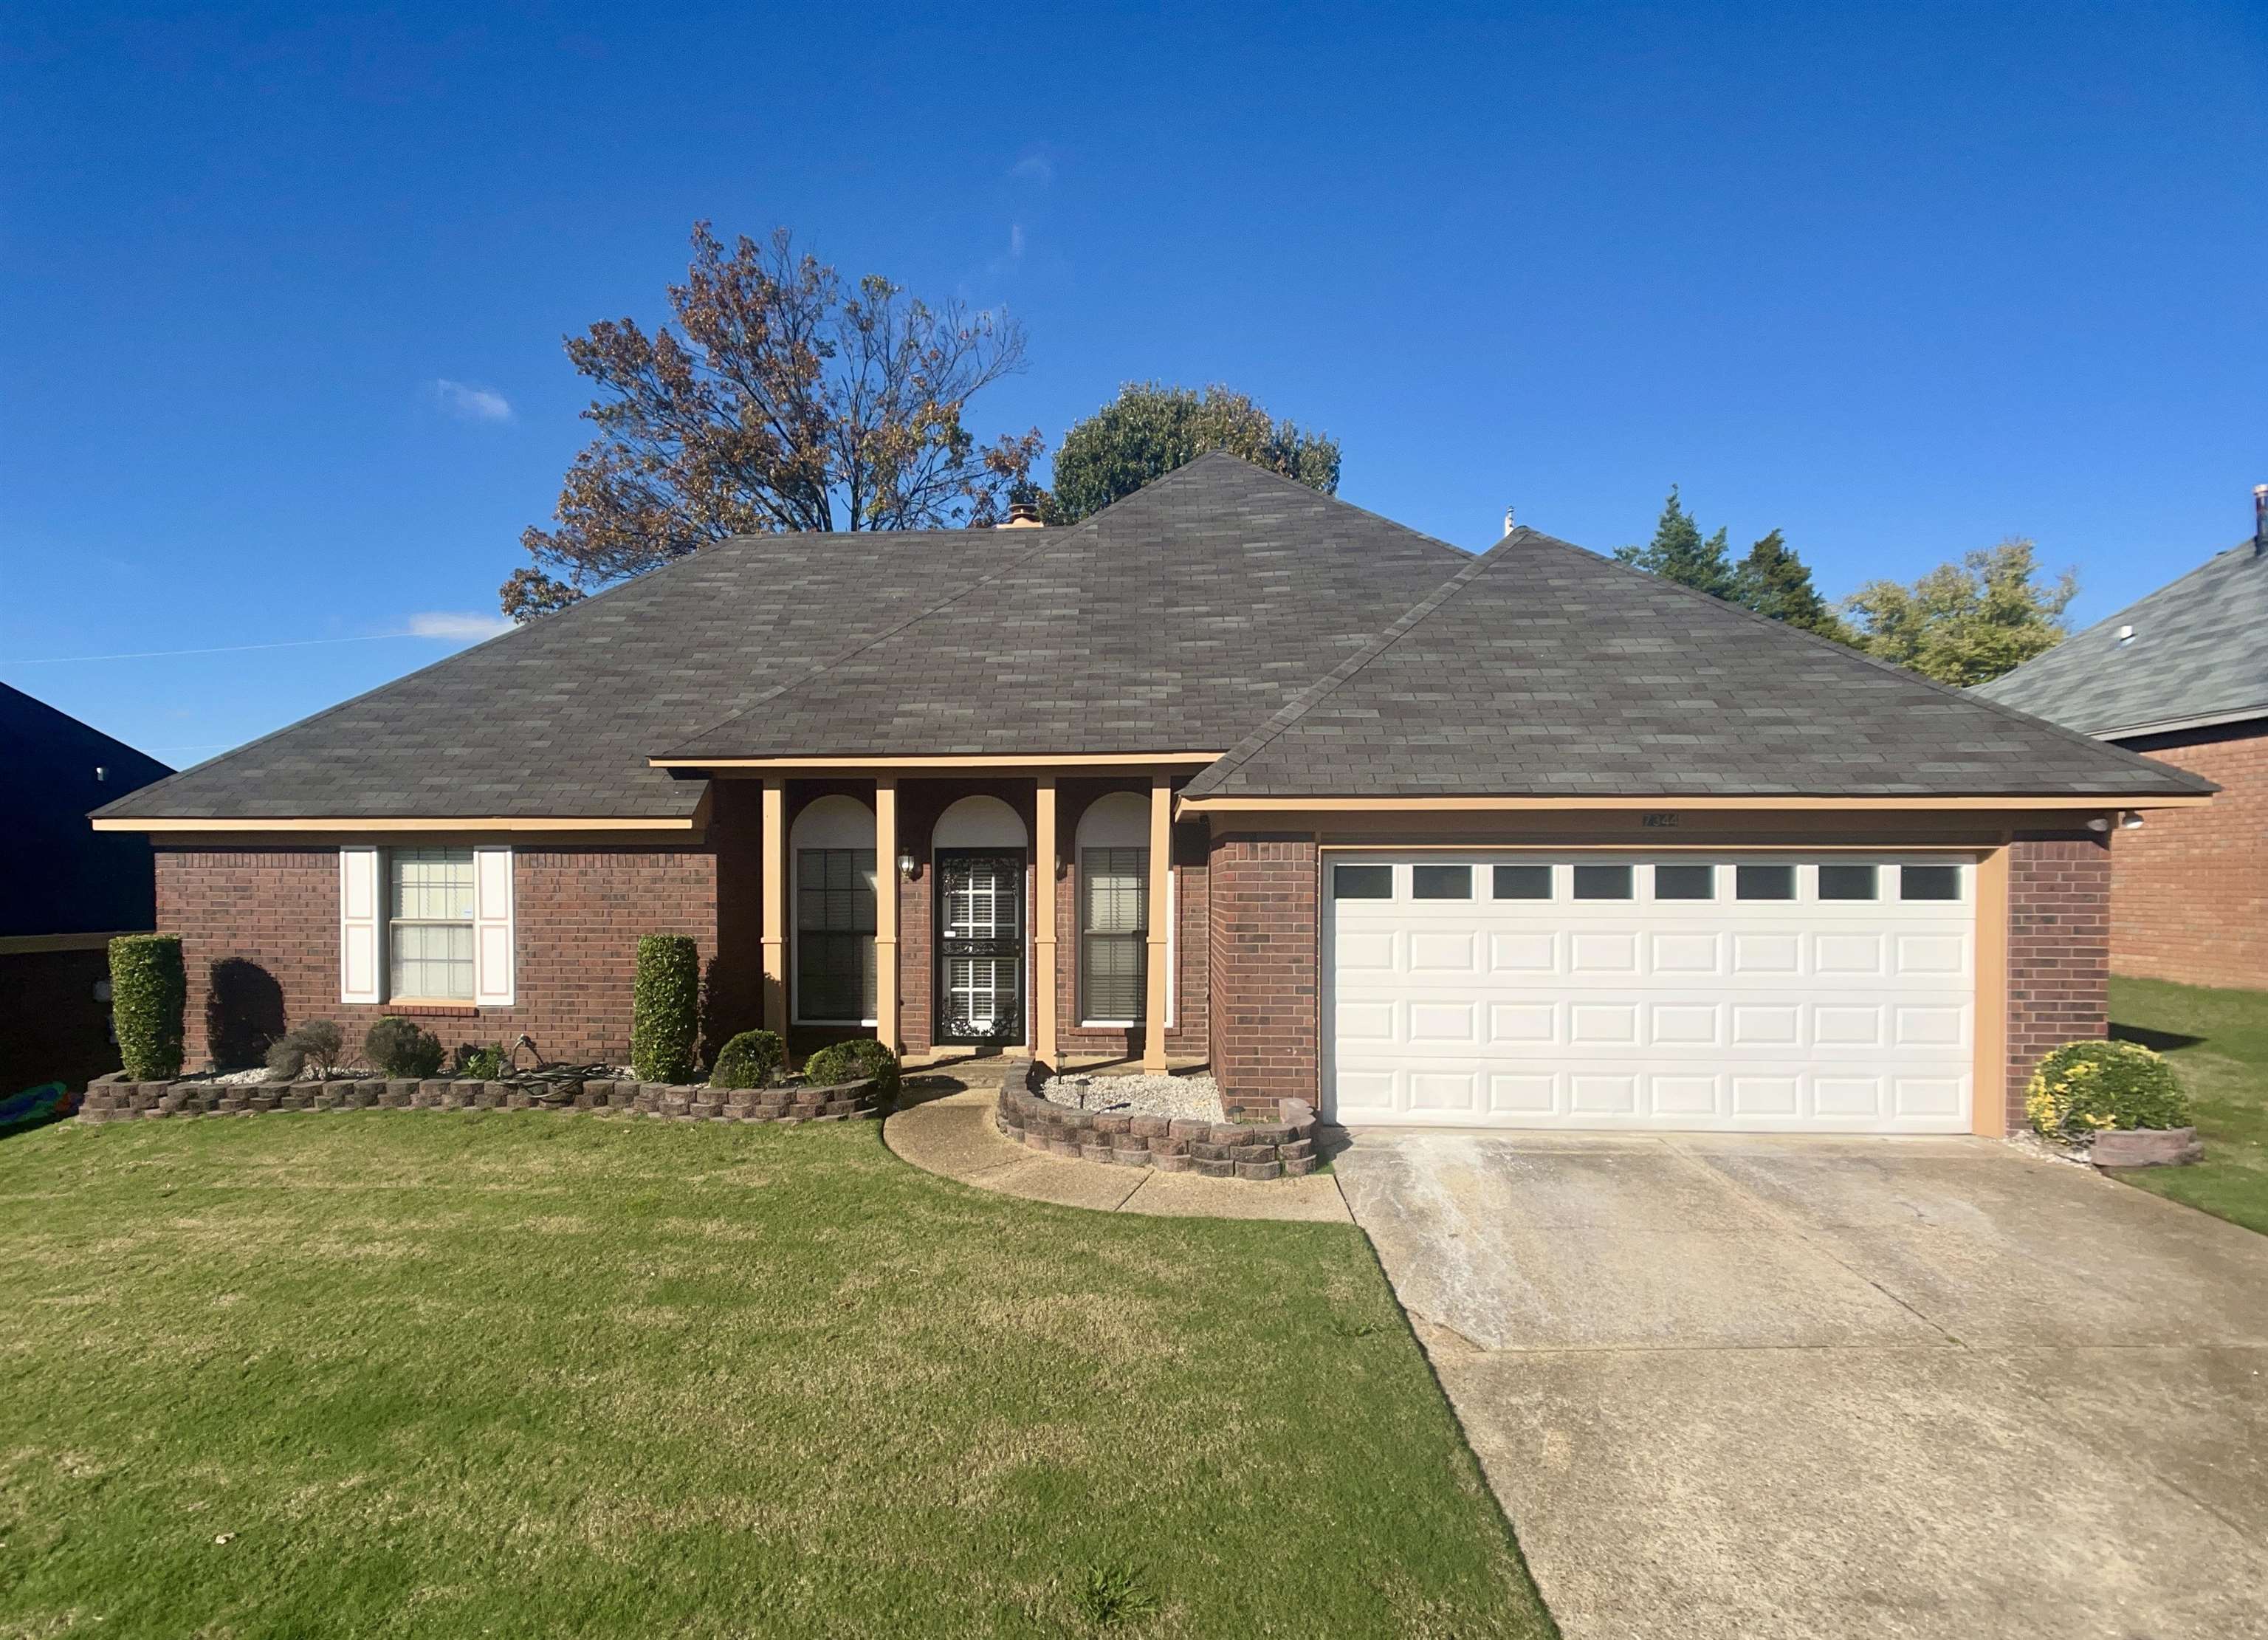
(1033, 169)
(457, 623)
(467, 402)
(1015, 241)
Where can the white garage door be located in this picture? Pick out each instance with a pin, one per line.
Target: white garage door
(1744, 991)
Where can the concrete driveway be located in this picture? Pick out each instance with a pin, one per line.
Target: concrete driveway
(1811, 1388)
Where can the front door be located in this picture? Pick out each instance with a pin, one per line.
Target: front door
(980, 946)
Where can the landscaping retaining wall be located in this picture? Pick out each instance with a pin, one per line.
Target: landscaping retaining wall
(115, 1099)
(1282, 1148)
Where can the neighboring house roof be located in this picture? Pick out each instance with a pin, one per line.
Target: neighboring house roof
(61, 876)
(2199, 655)
(1186, 617)
(1546, 670)
(1173, 621)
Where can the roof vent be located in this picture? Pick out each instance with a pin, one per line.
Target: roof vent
(2126, 634)
(2260, 520)
(1023, 515)
(1507, 520)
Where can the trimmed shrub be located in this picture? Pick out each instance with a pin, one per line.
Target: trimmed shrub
(665, 1008)
(2086, 1088)
(149, 992)
(313, 1046)
(402, 1047)
(751, 1060)
(854, 1060)
(480, 1064)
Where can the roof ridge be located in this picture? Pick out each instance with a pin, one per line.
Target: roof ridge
(1907, 674)
(1309, 698)
(820, 668)
(1283, 479)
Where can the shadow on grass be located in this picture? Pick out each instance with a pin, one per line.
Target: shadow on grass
(2156, 1041)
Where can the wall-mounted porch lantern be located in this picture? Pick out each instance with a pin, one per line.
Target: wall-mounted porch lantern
(907, 867)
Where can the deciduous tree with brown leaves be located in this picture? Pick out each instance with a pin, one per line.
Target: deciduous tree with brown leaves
(792, 399)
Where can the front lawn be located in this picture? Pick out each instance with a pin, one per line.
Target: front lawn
(2218, 1040)
(397, 1372)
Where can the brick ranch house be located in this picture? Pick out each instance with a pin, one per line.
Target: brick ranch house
(2181, 678)
(1230, 772)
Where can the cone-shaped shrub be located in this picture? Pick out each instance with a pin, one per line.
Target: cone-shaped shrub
(665, 1008)
(149, 990)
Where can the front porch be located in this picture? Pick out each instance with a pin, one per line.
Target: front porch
(961, 913)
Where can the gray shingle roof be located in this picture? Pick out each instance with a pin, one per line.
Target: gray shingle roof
(556, 719)
(2199, 651)
(1174, 621)
(1206, 610)
(1545, 670)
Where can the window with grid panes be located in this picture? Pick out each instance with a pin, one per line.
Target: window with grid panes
(1113, 900)
(429, 924)
(834, 934)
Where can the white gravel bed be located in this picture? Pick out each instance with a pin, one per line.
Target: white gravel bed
(1197, 1096)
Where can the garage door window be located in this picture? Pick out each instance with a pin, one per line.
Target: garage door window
(1441, 883)
(1602, 882)
(1846, 882)
(1685, 882)
(1929, 883)
(1362, 882)
(1523, 882)
(1764, 882)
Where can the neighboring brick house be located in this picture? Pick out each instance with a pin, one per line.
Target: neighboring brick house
(2180, 677)
(64, 890)
(1229, 772)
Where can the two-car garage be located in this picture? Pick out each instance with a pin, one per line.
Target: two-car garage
(1758, 992)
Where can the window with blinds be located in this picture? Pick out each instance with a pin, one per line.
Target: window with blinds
(429, 925)
(1114, 900)
(834, 935)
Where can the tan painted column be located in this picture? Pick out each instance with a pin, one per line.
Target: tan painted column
(1155, 971)
(1044, 921)
(1988, 1098)
(885, 911)
(775, 843)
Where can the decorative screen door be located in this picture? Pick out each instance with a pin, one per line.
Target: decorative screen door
(980, 945)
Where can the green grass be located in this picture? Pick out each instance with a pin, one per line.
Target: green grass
(528, 1374)
(2218, 1040)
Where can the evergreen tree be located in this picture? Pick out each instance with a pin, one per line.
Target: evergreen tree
(1774, 582)
(1678, 553)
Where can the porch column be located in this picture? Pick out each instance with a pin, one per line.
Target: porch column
(775, 905)
(1044, 921)
(886, 910)
(1153, 971)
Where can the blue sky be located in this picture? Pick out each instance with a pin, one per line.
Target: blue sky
(283, 293)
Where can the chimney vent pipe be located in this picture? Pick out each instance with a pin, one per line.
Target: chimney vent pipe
(2260, 520)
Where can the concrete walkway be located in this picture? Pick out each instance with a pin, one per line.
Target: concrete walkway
(1796, 1389)
(952, 1134)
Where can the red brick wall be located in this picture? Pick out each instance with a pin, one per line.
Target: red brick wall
(2059, 950)
(577, 913)
(1263, 959)
(2189, 888)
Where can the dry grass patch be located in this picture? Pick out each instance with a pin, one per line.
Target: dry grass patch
(528, 1374)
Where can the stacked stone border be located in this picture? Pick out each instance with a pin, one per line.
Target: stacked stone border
(115, 1099)
(1282, 1149)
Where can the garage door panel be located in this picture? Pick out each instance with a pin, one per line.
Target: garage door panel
(1783, 1014)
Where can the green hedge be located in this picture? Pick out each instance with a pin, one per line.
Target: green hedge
(149, 990)
(665, 1008)
(402, 1047)
(854, 1060)
(751, 1060)
(2085, 1088)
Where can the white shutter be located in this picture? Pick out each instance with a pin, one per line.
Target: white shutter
(492, 928)
(358, 979)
